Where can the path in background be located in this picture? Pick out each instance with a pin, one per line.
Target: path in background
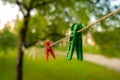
(111, 63)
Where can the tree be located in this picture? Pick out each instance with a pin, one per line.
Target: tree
(26, 6)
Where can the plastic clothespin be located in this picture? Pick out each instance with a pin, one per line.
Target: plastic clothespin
(75, 42)
(49, 49)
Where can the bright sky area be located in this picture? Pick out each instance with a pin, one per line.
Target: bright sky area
(8, 12)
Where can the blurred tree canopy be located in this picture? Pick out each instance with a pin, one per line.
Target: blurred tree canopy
(8, 40)
(52, 18)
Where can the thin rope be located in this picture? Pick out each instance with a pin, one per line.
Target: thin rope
(59, 41)
(89, 25)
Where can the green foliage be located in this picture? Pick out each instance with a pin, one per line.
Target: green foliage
(42, 29)
(7, 40)
(108, 41)
(36, 29)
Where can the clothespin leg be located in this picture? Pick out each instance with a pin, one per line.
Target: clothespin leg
(71, 47)
(70, 52)
(79, 50)
(47, 54)
(72, 42)
(52, 53)
(79, 44)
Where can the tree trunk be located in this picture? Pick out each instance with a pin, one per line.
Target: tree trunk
(19, 65)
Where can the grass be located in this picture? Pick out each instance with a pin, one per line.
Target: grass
(58, 69)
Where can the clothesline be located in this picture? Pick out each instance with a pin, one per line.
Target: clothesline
(89, 25)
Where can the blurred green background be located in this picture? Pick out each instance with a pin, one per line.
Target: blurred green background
(51, 19)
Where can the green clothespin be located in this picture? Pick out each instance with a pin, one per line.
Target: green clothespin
(75, 42)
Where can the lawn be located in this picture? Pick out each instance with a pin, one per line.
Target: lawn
(58, 69)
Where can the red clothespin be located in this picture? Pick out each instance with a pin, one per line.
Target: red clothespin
(49, 49)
